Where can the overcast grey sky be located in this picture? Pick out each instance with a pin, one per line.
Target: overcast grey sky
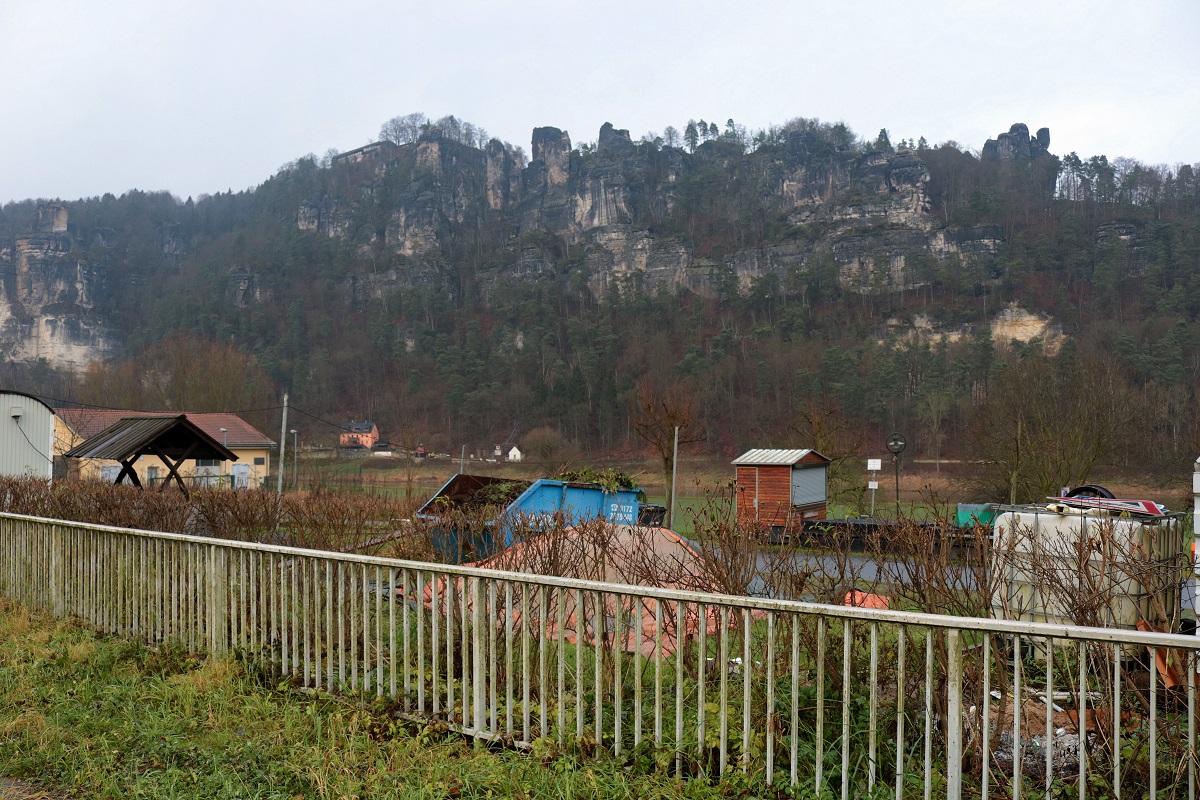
(200, 97)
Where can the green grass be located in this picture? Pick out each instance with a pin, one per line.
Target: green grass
(687, 509)
(105, 718)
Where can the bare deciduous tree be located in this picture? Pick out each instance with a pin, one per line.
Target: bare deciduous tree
(1043, 426)
(933, 408)
(657, 414)
(181, 373)
(405, 129)
(549, 446)
(823, 427)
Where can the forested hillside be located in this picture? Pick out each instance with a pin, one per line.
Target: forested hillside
(797, 286)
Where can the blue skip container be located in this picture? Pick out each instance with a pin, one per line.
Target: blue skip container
(476, 516)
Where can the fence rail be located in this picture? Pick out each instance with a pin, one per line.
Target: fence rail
(854, 701)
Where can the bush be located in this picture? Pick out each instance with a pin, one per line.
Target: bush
(319, 519)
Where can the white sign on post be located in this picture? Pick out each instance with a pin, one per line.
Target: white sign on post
(874, 465)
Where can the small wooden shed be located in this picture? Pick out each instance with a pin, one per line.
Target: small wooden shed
(781, 488)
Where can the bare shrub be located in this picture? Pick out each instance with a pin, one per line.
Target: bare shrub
(549, 446)
(327, 520)
(245, 514)
(101, 504)
(598, 550)
(31, 496)
(321, 519)
(742, 557)
(938, 569)
(130, 507)
(731, 557)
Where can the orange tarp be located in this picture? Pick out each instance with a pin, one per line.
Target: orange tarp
(866, 600)
(622, 554)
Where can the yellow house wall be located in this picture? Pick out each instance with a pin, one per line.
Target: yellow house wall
(90, 468)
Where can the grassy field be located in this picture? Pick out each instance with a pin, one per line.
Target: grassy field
(926, 491)
(98, 717)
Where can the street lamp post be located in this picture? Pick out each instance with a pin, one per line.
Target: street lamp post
(895, 446)
(295, 462)
(225, 442)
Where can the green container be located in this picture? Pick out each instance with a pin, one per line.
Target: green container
(970, 514)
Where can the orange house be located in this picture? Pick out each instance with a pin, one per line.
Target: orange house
(359, 434)
(781, 488)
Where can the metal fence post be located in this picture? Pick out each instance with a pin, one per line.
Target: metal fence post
(218, 599)
(57, 572)
(954, 668)
(479, 675)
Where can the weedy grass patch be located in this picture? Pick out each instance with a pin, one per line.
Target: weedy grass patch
(100, 717)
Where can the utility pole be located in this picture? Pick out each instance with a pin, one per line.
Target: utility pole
(674, 470)
(1195, 582)
(283, 429)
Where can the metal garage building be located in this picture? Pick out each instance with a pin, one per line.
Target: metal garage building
(26, 435)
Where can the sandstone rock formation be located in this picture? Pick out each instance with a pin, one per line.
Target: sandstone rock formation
(49, 294)
(1012, 324)
(1016, 145)
(867, 213)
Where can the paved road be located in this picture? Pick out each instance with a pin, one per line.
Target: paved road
(868, 568)
(865, 568)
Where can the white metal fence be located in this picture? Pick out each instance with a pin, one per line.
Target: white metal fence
(853, 701)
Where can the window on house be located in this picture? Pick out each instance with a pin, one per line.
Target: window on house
(259, 461)
(207, 462)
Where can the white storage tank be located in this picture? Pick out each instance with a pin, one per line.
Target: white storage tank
(1087, 566)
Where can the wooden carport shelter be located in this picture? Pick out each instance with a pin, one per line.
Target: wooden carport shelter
(172, 439)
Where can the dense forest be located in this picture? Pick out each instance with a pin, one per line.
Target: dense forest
(497, 327)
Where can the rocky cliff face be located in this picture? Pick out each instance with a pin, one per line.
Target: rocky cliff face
(1011, 325)
(1016, 145)
(868, 213)
(48, 297)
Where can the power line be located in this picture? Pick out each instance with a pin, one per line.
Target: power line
(49, 400)
(31, 444)
(318, 419)
(245, 410)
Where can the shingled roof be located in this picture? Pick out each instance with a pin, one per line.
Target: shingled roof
(175, 436)
(173, 439)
